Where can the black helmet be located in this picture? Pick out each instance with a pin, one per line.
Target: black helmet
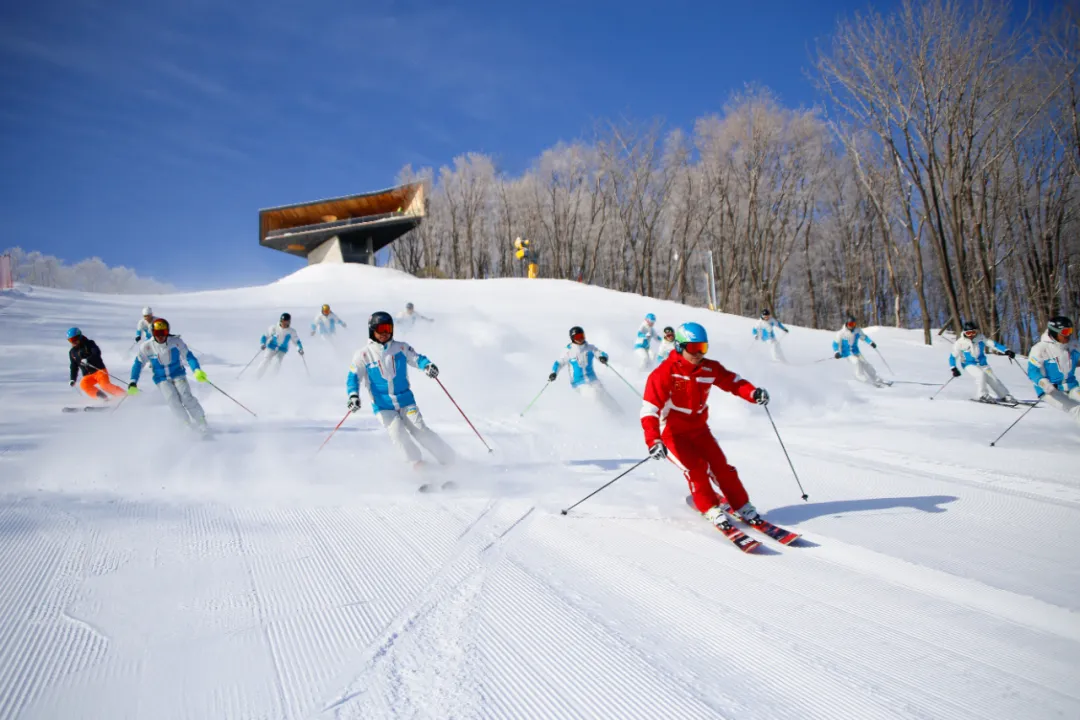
(377, 319)
(575, 331)
(408, 306)
(285, 317)
(765, 312)
(669, 329)
(971, 326)
(1057, 324)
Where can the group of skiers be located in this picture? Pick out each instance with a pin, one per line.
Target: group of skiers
(674, 413)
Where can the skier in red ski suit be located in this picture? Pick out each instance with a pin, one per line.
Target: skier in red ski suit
(675, 418)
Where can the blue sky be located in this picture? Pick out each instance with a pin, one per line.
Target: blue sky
(149, 133)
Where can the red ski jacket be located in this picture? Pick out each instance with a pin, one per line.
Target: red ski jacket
(677, 391)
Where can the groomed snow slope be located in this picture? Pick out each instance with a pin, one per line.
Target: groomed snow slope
(147, 574)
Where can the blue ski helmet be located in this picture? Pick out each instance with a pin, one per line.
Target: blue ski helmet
(74, 333)
(651, 318)
(688, 333)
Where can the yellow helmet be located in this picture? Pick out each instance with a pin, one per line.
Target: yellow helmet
(325, 309)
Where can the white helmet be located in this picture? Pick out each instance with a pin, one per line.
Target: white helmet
(147, 310)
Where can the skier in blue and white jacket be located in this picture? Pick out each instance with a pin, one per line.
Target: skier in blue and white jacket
(1052, 365)
(276, 342)
(382, 366)
(765, 331)
(143, 330)
(579, 356)
(326, 322)
(646, 336)
(166, 353)
(846, 345)
(970, 352)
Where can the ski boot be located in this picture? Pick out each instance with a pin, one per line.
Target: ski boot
(748, 514)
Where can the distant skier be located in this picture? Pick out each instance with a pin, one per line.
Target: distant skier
(408, 317)
(646, 335)
(382, 366)
(765, 331)
(667, 345)
(166, 354)
(86, 356)
(846, 345)
(1052, 365)
(276, 341)
(142, 330)
(675, 417)
(326, 322)
(579, 356)
(970, 351)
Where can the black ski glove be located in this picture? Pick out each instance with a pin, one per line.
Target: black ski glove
(603, 359)
(1010, 354)
(873, 345)
(71, 384)
(138, 338)
(785, 329)
(432, 371)
(354, 403)
(838, 356)
(956, 372)
(552, 376)
(658, 451)
(301, 351)
(761, 396)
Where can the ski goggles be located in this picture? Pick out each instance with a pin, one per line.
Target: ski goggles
(578, 337)
(1066, 332)
(852, 325)
(384, 329)
(75, 340)
(970, 333)
(696, 348)
(669, 334)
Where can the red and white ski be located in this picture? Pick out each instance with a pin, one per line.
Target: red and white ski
(740, 539)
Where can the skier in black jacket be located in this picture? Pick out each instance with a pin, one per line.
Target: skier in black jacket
(86, 356)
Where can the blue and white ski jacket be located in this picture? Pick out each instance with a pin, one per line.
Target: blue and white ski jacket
(166, 359)
(847, 341)
(973, 352)
(1053, 361)
(765, 330)
(144, 330)
(580, 359)
(384, 370)
(646, 334)
(279, 338)
(326, 324)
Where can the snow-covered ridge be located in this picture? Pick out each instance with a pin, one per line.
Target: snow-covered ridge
(148, 574)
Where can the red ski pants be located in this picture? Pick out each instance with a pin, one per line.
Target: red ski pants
(700, 458)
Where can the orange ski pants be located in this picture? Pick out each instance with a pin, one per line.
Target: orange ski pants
(90, 384)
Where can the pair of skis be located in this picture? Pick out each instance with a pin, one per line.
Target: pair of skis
(88, 408)
(743, 541)
(1004, 403)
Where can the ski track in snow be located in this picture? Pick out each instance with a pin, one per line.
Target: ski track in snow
(146, 573)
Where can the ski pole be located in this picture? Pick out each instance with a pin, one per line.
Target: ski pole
(463, 414)
(885, 361)
(306, 367)
(257, 353)
(951, 378)
(623, 379)
(535, 398)
(609, 482)
(117, 405)
(347, 414)
(1033, 406)
(769, 414)
(229, 396)
(831, 357)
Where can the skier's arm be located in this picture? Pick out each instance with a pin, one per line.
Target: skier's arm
(299, 344)
(1071, 382)
(137, 365)
(414, 358)
(74, 365)
(563, 360)
(952, 356)
(999, 347)
(1036, 372)
(836, 341)
(734, 384)
(94, 361)
(781, 326)
(185, 352)
(657, 394)
(357, 374)
(866, 338)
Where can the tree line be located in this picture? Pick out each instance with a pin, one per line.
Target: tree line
(935, 182)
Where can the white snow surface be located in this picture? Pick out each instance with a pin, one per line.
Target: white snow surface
(145, 573)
